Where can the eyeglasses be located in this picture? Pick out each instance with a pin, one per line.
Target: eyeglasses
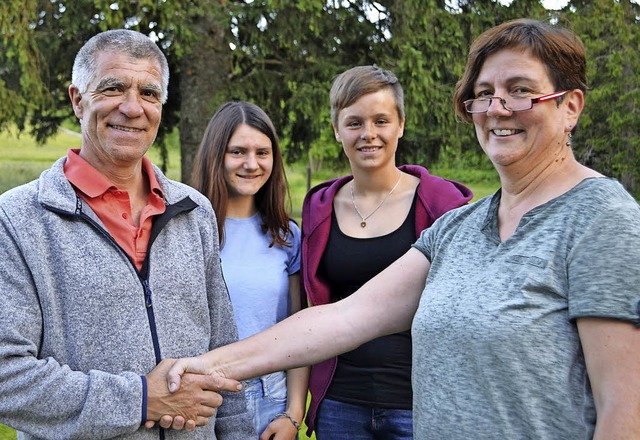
(481, 105)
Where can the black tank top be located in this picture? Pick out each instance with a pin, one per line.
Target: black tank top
(378, 373)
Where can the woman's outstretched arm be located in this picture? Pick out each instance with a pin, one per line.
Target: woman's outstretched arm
(384, 305)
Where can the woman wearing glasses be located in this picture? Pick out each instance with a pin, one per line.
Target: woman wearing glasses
(527, 326)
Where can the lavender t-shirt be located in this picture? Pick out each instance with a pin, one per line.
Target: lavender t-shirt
(257, 275)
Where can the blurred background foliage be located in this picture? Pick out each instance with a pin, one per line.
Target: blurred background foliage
(283, 54)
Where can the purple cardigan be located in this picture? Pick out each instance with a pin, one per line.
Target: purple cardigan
(435, 197)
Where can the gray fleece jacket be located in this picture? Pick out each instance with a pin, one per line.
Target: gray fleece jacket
(80, 326)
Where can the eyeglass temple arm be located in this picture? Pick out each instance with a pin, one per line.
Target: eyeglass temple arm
(548, 97)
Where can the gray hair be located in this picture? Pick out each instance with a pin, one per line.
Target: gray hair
(128, 42)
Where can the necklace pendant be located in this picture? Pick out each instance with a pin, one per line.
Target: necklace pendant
(363, 223)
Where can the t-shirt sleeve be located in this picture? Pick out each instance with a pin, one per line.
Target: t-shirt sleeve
(425, 243)
(293, 265)
(604, 267)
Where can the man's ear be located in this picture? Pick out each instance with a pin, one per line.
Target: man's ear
(76, 98)
(336, 133)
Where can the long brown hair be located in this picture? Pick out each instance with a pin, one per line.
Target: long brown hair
(208, 169)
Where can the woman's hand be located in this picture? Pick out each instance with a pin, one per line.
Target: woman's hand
(280, 428)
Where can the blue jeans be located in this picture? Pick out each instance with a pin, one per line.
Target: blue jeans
(266, 397)
(344, 421)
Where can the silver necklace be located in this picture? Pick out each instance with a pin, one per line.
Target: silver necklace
(363, 223)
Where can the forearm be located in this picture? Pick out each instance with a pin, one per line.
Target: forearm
(300, 340)
(56, 399)
(612, 359)
(297, 388)
(44, 395)
(618, 422)
(384, 305)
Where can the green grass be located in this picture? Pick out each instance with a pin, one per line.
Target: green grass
(7, 433)
(21, 161)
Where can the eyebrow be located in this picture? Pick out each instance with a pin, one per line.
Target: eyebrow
(510, 81)
(108, 82)
(377, 115)
(243, 147)
(152, 87)
(111, 81)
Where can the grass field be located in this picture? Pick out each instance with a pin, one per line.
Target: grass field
(7, 433)
(21, 161)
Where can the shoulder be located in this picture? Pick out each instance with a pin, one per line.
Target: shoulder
(295, 233)
(175, 191)
(465, 219)
(438, 194)
(19, 195)
(596, 200)
(325, 192)
(50, 189)
(295, 229)
(318, 202)
(602, 189)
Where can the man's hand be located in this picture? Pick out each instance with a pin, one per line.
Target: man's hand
(190, 405)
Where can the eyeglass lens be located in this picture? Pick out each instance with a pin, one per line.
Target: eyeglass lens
(481, 105)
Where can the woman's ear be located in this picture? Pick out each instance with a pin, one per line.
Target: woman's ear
(574, 102)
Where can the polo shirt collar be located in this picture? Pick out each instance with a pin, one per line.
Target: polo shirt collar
(93, 183)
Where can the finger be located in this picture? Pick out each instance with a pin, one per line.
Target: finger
(267, 434)
(174, 374)
(165, 422)
(178, 423)
(201, 421)
(206, 411)
(280, 428)
(211, 399)
(215, 383)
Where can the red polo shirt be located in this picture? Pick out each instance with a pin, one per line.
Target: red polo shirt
(112, 206)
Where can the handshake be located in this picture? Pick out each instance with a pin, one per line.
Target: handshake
(180, 395)
(183, 393)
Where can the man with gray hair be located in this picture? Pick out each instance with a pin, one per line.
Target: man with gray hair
(108, 268)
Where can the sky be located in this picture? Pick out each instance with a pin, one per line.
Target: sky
(549, 4)
(554, 4)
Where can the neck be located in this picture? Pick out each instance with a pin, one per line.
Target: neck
(522, 181)
(241, 207)
(126, 176)
(520, 196)
(371, 182)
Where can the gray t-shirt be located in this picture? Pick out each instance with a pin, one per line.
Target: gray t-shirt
(496, 351)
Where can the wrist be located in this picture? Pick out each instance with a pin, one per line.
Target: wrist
(295, 413)
(286, 415)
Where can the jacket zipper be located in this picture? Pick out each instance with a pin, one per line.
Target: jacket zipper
(148, 297)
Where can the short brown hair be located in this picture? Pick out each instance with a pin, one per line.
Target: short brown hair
(358, 81)
(559, 49)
